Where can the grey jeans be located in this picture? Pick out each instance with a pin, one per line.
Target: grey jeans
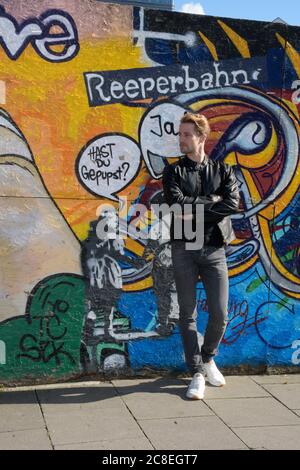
(210, 264)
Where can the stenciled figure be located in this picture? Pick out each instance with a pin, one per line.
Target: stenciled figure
(101, 266)
(158, 251)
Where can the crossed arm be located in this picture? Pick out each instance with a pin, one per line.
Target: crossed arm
(216, 207)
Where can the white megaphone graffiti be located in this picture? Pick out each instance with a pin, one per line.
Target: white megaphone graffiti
(35, 239)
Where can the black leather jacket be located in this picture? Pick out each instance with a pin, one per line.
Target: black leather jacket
(211, 183)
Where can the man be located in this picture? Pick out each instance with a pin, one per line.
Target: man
(195, 179)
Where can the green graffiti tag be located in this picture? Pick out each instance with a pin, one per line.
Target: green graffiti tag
(46, 340)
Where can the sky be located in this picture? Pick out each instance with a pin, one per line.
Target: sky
(263, 10)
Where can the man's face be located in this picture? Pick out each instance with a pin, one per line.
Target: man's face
(189, 138)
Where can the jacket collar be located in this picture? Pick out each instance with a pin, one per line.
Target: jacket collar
(194, 165)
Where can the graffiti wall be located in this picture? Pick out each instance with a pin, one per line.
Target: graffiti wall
(91, 96)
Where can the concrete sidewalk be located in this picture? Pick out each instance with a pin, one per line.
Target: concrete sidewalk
(250, 412)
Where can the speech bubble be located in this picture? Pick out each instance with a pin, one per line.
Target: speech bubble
(107, 164)
(158, 134)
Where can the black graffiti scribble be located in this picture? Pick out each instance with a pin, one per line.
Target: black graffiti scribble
(42, 350)
(47, 319)
(97, 154)
(47, 344)
(167, 127)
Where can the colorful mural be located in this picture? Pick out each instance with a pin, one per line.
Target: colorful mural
(91, 96)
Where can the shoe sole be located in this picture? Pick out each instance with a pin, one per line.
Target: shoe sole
(194, 397)
(214, 384)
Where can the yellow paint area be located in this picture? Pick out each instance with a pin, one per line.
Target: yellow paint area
(49, 103)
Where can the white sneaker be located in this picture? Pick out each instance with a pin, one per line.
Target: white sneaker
(196, 387)
(213, 375)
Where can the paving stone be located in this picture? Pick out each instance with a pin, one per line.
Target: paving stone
(252, 412)
(88, 425)
(236, 387)
(123, 444)
(276, 379)
(159, 399)
(197, 433)
(34, 439)
(19, 411)
(75, 398)
(271, 437)
(288, 394)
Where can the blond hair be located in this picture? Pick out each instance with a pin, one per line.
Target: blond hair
(199, 120)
